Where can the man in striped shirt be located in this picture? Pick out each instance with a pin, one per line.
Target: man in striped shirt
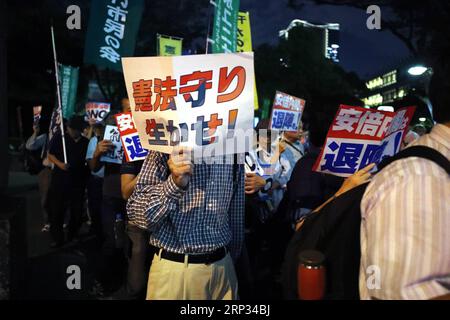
(405, 230)
(196, 217)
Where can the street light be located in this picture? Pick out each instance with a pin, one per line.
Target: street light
(417, 70)
(386, 108)
(425, 75)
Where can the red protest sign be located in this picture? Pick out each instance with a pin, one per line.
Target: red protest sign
(130, 137)
(359, 136)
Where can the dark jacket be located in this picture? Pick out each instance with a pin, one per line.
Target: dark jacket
(307, 188)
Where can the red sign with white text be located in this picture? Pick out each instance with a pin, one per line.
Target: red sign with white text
(359, 136)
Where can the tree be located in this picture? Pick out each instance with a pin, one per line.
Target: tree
(298, 67)
(31, 79)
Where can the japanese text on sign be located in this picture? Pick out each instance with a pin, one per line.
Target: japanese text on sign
(359, 137)
(130, 138)
(195, 101)
(97, 110)
(115, 30)
(286, 112)
(116, 154)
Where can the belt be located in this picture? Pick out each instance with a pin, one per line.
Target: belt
(202, 258)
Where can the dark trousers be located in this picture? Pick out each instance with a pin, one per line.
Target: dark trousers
(112, 268)
(44, 186)
(245, 275)
(63, 195)
(113, 223)
(140, 255)
(95, 197)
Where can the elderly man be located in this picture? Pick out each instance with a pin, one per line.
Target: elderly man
(196, 217)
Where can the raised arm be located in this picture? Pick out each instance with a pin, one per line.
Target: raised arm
(156, 194)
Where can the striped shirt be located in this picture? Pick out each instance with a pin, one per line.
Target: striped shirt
(405, 229)
(208, 215)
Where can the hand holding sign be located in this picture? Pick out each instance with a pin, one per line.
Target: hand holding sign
(181, 166)
(114, 154)
(253, 183)
(359, 136)
(358, 178)
(103, 147)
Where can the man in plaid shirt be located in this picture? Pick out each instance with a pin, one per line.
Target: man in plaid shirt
(196, 217)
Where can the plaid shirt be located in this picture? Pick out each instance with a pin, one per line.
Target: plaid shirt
(208, 215)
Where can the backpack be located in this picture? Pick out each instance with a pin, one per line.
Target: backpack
(335, 231)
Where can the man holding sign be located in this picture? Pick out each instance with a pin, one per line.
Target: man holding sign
(195, 212)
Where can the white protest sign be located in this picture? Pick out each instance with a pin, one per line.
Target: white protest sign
(200, 101)
(97, 110)
(287, 111)
(115, 155)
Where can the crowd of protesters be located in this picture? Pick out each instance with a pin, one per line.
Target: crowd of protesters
(179, 230)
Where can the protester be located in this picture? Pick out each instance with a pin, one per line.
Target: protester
(195, 214)
(264, 160)
(37, 144)
(89, 131)
(264, 189)
(68, 181)
(405, 239)
(293, 151)
(95, 182)
(306, 188)
(331, 230)
(139, 251)
(113, 212)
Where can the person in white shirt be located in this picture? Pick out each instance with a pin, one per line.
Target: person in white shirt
(292, 151)
(405, 238)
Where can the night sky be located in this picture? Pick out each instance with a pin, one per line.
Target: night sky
(366, 52)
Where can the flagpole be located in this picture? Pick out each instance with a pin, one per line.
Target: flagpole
(58, 93)
(209, 24)
(157, 44)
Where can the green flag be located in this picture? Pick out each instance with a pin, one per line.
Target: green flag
(112, 31)
(68, 83)
(169, 46)
(225, 26)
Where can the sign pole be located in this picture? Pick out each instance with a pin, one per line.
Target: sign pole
(208, 40)
(58, 93)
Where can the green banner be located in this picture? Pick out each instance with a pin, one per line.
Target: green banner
(112, 31)
(169, 46)
(225, 26)
(68, 84)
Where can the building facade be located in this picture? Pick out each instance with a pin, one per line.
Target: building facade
(329, 33)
